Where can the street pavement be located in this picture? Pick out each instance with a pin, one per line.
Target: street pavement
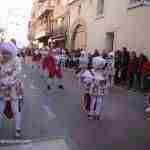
(56, 115)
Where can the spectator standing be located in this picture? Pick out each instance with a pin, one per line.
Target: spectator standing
(124, 65)
(96, 53)
(132, 70)
(117, 66)
(142, 60)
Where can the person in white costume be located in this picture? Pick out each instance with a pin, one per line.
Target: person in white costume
(97, 88)
(86, 78)
(83, 63)
(10, 67)
(109, 70)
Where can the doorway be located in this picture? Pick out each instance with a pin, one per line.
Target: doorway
(110, 41)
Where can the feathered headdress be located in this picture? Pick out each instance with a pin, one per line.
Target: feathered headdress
(9, 47)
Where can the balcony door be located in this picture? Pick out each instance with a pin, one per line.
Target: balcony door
(110, 41)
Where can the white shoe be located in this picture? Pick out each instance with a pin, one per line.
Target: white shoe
(147, 110)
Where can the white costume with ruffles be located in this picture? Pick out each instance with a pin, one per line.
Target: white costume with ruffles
(8, 79)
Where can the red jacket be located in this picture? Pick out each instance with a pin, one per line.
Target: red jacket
(49, 63)
(132, 66)
(146, 68)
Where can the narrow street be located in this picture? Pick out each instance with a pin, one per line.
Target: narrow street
(56, 115)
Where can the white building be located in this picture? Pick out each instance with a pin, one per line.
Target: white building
(109, 24)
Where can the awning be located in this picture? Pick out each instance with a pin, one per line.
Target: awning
(43, 39)
(58, 38)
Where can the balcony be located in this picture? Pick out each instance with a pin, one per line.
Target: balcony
(44, 8)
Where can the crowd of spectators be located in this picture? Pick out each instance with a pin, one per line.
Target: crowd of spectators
(131, 70)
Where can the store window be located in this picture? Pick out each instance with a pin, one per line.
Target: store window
(100, 7)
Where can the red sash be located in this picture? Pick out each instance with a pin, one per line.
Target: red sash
(8, 110)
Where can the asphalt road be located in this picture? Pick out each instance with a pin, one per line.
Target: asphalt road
(56, 114)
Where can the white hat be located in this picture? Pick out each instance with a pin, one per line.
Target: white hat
(9, 47)
(83, 62)
(98, 62)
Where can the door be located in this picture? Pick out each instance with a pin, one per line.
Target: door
(110, 41)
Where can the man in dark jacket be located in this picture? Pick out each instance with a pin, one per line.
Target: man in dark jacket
(124, 64)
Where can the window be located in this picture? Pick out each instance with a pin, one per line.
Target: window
(100, 7)
(79, 9)
(137, 3)
(147, 1)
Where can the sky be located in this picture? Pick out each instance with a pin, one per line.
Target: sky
(14, 17)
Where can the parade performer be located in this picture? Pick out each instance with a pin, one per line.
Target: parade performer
(63, 58)
(83, 62)
(50, 64)
(85, 76)
(20, 93)
(36, 59)
(10, 67)
(86, 79)
(59, 68)
(97, 88)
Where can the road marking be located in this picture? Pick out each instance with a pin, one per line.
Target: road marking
(32, 86)
(24, 76)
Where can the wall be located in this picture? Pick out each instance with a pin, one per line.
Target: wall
(131, 26)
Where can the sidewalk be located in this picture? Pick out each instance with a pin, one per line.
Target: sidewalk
(57, 144)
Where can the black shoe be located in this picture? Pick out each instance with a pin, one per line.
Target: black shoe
(61, 87)
(97, 117)
(49, 87)
(90, 117)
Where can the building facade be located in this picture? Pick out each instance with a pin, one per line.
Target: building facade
(41, 25)
(92, 24)
(109, 24)
(47, 24)
(59, 23)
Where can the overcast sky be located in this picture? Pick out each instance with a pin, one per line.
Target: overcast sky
(14, 17)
